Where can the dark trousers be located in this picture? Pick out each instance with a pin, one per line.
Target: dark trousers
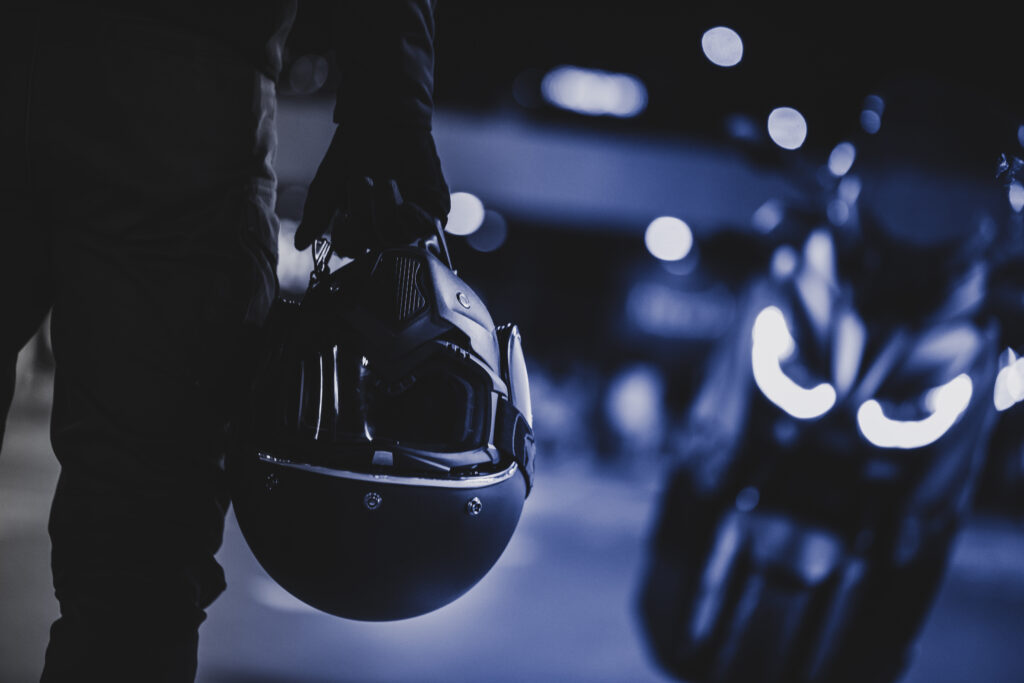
(136, 203)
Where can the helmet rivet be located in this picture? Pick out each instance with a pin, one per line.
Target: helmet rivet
(463, 299)
(474, 506)
(272, 482)
(372, 500)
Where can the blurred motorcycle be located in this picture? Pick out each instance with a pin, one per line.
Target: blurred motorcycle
(1001, 488)
(836, 441)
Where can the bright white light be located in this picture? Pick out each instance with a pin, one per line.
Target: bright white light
(722, 46)
(840, 161)
(773, 343)
(787, 127)
(668, 238)
(467, 214)
(593, 92)
(1009, 388)
(947, 403)
(1016, 196)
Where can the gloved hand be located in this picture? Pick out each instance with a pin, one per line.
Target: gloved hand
(375, 191)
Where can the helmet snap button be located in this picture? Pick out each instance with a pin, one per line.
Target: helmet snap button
(474, 506)
(463, 299)
(372, 500)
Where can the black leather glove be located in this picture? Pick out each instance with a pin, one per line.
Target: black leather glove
(375, 190)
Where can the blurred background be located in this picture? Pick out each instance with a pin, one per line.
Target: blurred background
(623, 177)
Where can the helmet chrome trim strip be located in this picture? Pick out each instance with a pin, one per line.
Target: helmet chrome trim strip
(478, 481)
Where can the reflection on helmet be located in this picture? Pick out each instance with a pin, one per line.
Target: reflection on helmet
(387, 450)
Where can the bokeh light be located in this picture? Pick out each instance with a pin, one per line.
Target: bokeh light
(787, 127)
(467, 214)
(768, 216)
(784, 261)
(593, 92)
(492, 233)
(633, 403)
(668, 238)
(838, 212)
(840, 161)
(849, 189)
(1016, 195)
(722, 46)
(871, 114)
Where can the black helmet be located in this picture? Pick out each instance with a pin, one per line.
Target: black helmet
(387, 449)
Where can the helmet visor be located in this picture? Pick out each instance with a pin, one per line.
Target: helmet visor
(443, 405)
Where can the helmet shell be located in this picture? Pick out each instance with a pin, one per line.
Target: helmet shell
(373, 548)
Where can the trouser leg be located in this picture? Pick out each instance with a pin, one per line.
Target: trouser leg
(163, 257)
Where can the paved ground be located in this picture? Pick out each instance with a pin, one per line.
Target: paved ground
(557, 607)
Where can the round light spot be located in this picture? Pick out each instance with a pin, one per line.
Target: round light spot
(840, 161)
(849, 189)
(784, 261)
(633, 402)
(747, 499)
(768, 216)
(308, 74)
(742, 127)
(722, 46)
(838, 212)
(492, 233)
(668, 238)
(874, 103)
(467, 214)
(787, 127)
(870, 121)
(1016, 194)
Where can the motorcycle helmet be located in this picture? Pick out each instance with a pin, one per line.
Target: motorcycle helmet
(386, 452)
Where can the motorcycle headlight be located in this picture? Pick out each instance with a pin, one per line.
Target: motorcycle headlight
(772, 344)
(945, 403)
(1009, 385)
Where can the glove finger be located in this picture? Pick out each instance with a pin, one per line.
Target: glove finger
(352, 229)
(387, 201)
(322, 201)
(414, 223)
(317, 213)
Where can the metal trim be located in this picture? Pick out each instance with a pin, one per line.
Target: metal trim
(479, 481)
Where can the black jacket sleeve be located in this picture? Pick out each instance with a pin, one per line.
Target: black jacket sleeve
(385, 54)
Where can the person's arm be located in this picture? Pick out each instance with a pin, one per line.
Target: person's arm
(380, 181)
